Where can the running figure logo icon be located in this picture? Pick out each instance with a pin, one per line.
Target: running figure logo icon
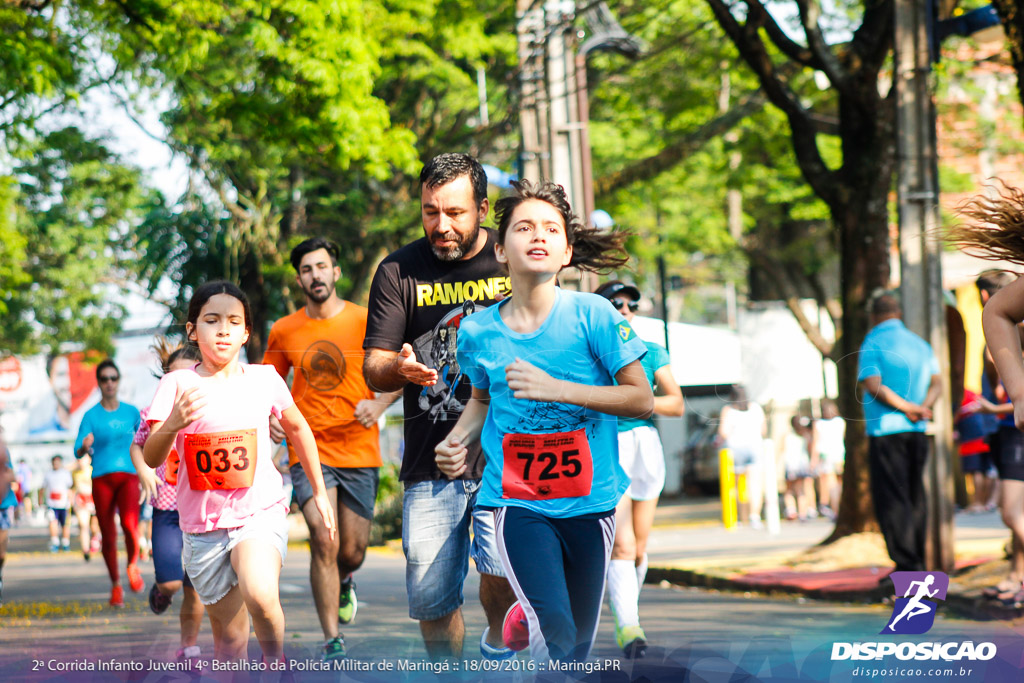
(914, 613)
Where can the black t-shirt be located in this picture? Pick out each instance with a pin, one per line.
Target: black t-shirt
(418, 299)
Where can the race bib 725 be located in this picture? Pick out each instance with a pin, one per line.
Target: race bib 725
(546, 466)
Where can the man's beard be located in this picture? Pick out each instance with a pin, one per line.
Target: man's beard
(462, 247)
(318, 297)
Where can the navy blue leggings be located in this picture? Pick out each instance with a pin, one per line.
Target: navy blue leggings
(557, 569)
(167, 547)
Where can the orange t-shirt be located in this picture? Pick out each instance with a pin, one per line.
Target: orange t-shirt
(328, 359)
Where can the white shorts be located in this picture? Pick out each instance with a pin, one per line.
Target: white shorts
(641, 455)
(207, 556)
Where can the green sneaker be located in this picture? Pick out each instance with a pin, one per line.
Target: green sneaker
(348, 605)
(334, 649)
(632, 641)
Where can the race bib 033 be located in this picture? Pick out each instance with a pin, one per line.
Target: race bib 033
(224, 460)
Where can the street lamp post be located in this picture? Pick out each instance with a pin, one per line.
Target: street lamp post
(920, 250)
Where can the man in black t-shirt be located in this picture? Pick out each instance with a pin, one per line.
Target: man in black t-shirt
(419, 296)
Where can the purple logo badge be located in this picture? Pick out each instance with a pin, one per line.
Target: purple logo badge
(914, 612)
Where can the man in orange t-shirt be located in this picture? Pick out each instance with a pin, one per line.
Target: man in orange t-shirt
(323, 343)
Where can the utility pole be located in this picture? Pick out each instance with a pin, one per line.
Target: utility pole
(533, 154)
(552, 146)
(920, 271)
(564, 126)
(554, 112)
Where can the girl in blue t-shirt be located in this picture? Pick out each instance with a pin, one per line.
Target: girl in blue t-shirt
(550, 371)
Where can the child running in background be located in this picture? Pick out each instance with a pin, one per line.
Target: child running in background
(828, 456)
(231, 504)
(161, 486)
(57, 484)
(799, 497)
(544, 366)
(85, 509)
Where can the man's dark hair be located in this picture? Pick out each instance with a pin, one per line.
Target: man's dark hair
(993, 280)
(738, 397)
(104, 364)
(444, 168)
(885, 304)
(312, 244)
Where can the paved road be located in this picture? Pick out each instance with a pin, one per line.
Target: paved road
(55, 616)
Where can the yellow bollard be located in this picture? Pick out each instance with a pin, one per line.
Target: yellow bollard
(742, 499)
(727, 483)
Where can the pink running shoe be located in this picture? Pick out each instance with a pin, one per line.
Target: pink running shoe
(514, 630)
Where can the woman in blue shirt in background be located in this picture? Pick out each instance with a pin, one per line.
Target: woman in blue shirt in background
(106, 433)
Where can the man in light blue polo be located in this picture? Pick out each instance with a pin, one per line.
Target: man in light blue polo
(899, 375)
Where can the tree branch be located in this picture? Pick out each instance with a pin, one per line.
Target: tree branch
(31, 5)
(792, 49)
(779, 275)
(831, 306)
(813, 332)
(804, 133)
(676, 151)
(810, 12)
(872, 41)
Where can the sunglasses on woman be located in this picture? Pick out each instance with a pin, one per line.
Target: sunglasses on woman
(619, 303)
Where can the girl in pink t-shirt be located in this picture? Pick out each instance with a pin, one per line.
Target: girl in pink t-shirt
(231, 502)
(161, 486)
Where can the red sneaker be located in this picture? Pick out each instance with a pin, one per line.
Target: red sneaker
(515, 632)
(135, 578)
(117, 596)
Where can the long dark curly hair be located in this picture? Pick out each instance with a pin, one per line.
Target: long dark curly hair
(994, 227)
(592, 249)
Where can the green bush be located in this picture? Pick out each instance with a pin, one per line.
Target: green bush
(387, 515)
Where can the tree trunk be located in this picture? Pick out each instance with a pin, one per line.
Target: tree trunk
(252, 283)
(1012, 18)
(861, 216)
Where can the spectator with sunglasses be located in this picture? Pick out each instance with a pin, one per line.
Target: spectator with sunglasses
(106, 434)
(642, 457)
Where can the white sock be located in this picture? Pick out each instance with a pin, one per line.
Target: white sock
(53, 540)
(624, 592)
(641, 573)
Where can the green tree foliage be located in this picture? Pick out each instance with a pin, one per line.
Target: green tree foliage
(1012, 19)
(15, 332)
(76, 201)
(259, 90)
(430, 52)
(307, 118)
(40, 66)
(678, 129)
(66, 202)
(296, 117)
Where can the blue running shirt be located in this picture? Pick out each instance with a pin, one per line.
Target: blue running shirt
(657, 358)
(113, 432)
(583, 340)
